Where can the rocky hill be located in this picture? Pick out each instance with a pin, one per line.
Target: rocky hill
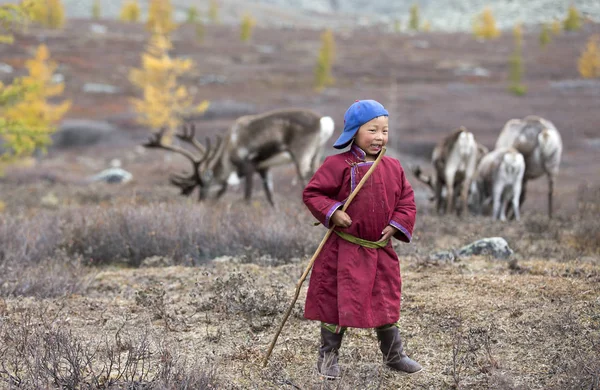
(449, 15)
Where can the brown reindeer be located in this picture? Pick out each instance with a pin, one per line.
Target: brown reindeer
(455, 161)
(254, 143)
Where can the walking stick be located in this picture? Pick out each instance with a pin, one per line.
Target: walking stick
(312, 260)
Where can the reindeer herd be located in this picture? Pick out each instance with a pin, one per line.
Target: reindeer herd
(467, 176)
(464, 169)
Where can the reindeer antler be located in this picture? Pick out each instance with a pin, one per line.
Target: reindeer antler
(188, 134)
(187, 183)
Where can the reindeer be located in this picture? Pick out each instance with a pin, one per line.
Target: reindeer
(254, 143)
(538, 140)
(455, 161)
(498, 178)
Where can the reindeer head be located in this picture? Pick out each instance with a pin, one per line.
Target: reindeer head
(202, 174)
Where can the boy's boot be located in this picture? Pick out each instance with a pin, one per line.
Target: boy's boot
(393, 352)
(327, 364)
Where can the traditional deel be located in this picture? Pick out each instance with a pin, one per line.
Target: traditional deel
(366, 291)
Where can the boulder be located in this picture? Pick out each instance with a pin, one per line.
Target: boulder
(496, 247)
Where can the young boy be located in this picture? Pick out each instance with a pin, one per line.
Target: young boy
(355, 280)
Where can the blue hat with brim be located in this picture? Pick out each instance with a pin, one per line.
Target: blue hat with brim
(359, 113)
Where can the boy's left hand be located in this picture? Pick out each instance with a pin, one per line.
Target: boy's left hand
(387, 233)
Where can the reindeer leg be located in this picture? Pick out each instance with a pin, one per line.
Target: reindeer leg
(438, 197)
(298, 169)
(515, 201)
(249, 173)
(267, 185)
(496, 196)
(550, 191)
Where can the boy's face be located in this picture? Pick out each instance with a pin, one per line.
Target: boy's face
(372, 136)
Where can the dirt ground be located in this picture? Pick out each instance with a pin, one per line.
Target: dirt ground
(532, 323)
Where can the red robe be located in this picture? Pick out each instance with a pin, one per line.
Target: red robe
(351, 285)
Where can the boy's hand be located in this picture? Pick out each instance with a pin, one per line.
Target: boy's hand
(341, 219)
(387, 233)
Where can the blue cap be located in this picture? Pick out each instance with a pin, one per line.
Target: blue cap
(359, 113)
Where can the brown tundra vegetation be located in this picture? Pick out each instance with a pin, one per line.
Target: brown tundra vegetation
(108, 286)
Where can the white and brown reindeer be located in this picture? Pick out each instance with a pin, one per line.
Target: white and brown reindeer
(498, 179)
(540, 143)
(454, 160)
(254, 143)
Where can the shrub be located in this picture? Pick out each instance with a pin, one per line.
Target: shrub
(589, 61)
(484, 25)
(573, 20)
(587, 232)
(130, 12)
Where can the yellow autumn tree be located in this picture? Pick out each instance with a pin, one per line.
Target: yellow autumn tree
(160, 17)
(484, 25)
(130, 11)
(589, 61)
(164, 100)
(573, 20)
(213, 12)
(246, 27)
(323, 77)
(27, 118)
(516, 68)
(413, 21)
(96, 12)
(12, 17)
(47, 13)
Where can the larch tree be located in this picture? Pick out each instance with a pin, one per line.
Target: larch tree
(413, 21)
(588, 63)
(130, 11)
(246, 26)
(27, 118)
(484, 25)
(323, 77)
(573, 20)
(164, 101)
(12, 17)
(47, 13)
(516, 68)
(160, 17)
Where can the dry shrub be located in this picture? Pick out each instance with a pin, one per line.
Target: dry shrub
(243, 293)
(189, 234)
(587, 228)
(472, 353)
(37, 352)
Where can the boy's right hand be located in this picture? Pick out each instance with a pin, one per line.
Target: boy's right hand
(341, 219)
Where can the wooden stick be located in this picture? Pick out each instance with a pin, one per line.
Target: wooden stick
(312, 260)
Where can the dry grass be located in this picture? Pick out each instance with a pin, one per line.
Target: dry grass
(135, 287)
(478, 323)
